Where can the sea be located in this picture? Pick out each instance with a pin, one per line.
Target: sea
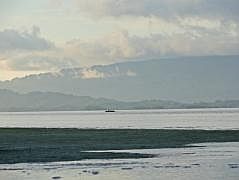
(209, 119)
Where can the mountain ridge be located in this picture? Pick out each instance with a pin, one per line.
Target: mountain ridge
(50, 101)
(184, 79)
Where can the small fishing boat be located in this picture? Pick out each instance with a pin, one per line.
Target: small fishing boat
(109, 110)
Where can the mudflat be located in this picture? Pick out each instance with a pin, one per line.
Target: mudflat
(24, 145)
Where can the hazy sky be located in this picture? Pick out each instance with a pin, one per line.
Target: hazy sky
(47, 35)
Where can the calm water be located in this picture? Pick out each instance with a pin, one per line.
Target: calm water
(146, 119)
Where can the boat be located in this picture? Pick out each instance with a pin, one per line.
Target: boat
(109, 110)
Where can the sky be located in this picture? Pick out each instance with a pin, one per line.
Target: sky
(48, 35)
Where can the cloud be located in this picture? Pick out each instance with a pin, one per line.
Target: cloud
(12, 40)
(88, 73)
(113, 47)
(207, 39)
(162, 8)
(96, 72)
(28, 51)
(40, 63)
(91, 73)
(183, 27)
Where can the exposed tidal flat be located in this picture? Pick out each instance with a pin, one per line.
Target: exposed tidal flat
(118, 154)
(27, 145)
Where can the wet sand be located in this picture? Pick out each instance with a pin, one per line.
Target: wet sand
(115, 154)
(28, 145)
(214, 161)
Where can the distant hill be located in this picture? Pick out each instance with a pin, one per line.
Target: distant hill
(183, 79)
(50, 101)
